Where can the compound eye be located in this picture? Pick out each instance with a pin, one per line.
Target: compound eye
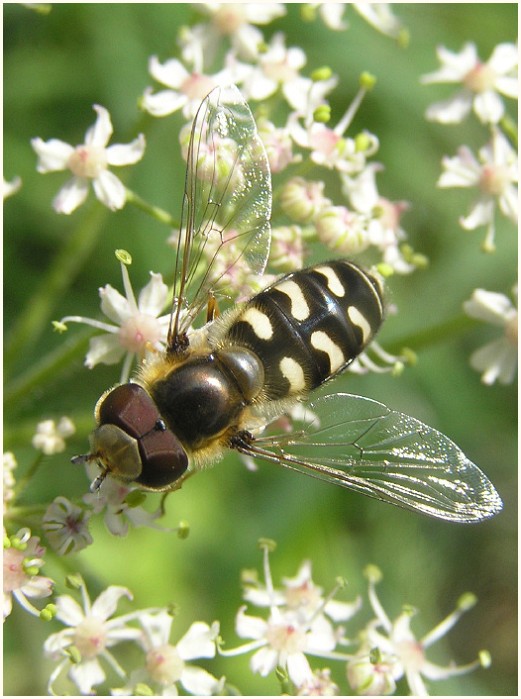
(134, 442)
(163, 459)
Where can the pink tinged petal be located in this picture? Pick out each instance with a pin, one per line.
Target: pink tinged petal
(110, 190)
(504, 58)
(481, 214)
(52, 155)
(264, 661)
(489, 107)
(452, 110)
(298, 668)
(105, 605)
(38, 586)
(171, 73)
(87, 674)
(127, 154)
(249, 626)
(71, 195)
(104, 349)
(163, 103)
(99, 134)
(197, 642)
(198, 682)
(154, 296)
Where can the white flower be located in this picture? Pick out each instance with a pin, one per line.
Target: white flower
(50, 437)
(137, 326)
(276, 66)
(119, 508)
(383, 229)
(90, 632)
(236, 20)
(296, 625)
(278, 144)
(165, 663)
(390, 650)
(379, 15)
(185, 90)
(497, 360)
(66, 526)
(9, 464)
(22, 561)
(330, 148)
(481, 83)
(10, 188)
(89, 162)
(495, 176)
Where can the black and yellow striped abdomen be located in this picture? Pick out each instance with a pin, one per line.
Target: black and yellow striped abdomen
(309, 325)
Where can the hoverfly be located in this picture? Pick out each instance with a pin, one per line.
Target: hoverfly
(217, 387)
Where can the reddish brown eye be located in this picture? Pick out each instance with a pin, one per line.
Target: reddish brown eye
(163, 458)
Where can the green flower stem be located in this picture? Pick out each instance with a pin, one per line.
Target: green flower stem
(433, 335)
(25, 480)
(62, 271)
(46, 370)
(159, 214)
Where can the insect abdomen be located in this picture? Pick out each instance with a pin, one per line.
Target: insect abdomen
(309, 325)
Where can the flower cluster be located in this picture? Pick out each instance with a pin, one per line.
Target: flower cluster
(302, 623)
(84, 646)
(493, 173)
(325, 195)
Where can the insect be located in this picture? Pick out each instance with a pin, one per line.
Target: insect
(216, 388)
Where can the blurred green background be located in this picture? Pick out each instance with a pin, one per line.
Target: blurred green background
(56, 67)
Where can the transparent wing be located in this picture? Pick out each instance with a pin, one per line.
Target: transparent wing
(361, 444)
(226, 205)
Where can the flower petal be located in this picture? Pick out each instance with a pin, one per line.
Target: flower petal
(69, 611)
(105, 605)
(154, 296)
(104, 349)
(53, 155)
(198, 642)
(298, 668)
(163, 103)
(126, 154)
(504, 58)
(110, 190)
(264, 661)
(452, 110)
(249, 626)
(99, 134)
(198, 681)
(171, 73)
(86, 674)
(489, 107)
(71, 195)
